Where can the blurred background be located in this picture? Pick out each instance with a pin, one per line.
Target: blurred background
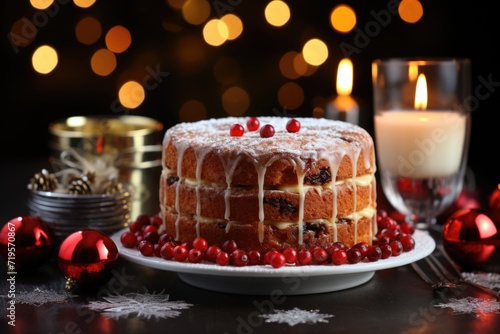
(186, 60)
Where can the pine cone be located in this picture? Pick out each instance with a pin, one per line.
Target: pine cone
(43, 181)
(112, 186)
(79, 186)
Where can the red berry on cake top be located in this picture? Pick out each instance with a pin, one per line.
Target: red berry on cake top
(267, 131)
(293, 125)
(253, 124)
(236, 130)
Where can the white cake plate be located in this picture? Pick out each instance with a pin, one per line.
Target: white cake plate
(287, 280)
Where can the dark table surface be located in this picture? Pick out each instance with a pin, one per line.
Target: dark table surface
(395, 300)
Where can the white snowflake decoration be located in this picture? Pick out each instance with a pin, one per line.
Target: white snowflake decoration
(296, 316)
(471, 305)
(38, 297)
(490, 280)
(141, 305)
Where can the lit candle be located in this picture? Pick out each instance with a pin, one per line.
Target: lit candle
(344, 107)
(420, 143)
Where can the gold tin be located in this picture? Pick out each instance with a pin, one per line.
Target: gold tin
(131, 143)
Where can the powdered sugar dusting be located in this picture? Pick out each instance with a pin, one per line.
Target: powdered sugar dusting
(316, 135)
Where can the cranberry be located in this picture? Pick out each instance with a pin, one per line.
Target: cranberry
(363, 248)
(381, 213)
(277, 260)
(354, 255)
(157, 250)
(267, 131)
(211, 252)
(236, 130)
(239, 258)
(152, 237)
(156, 221)
(128, 239)
(320, 255)
(146, 248)
(222, 258)
(383, 239)
(290, 255)
(149, 228)
(407, 227)
(253, 124)
(374, 253)
(165, 237)
(229, 246)
(293, 125)
(268, 255)
(200, 243)
(180, 253)
(187, 244)
(167, 251)
(254, 257)
(339, 256)
(195, 255)
(408, 242)
(143, 219)
(386, 251)
(397, 247)
(135, 227)
(304, 257)
(386, 223)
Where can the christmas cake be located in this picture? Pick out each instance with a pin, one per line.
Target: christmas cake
(269, 186)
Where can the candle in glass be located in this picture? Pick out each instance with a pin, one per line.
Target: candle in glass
(421, 133)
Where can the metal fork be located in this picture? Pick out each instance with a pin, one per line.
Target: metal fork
(445, 279)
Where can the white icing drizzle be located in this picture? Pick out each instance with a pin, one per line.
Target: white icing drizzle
(180, 154)
(200, 155)
(229, 171)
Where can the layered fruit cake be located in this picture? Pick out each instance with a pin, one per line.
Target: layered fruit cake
(269, 183)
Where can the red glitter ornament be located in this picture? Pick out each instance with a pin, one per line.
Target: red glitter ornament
(26, 243)
(87, 258)
(470, 237)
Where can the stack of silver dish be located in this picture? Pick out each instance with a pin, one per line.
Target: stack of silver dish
(67, 213)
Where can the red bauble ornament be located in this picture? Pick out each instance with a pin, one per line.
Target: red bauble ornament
(470, 237)
(87, 258)
(494, 204)
(26, 243)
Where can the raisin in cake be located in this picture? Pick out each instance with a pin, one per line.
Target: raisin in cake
(312, 187)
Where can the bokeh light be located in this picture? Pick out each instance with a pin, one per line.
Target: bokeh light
(291, 95)
(88, 30)
(277, 13)
(234, 26)
(131, 94)
(196, 11)
(41, 4)
(235, 101)
(103, 62)
(23, 32)
(84, 3)
(287, 67)
(215, 32)
(118, 39)
(343, 18)
(315, 52)
(410, 11)
(192, 111)
(44, 59)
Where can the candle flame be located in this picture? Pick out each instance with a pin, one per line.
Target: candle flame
(421, 93)
(344, 77)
